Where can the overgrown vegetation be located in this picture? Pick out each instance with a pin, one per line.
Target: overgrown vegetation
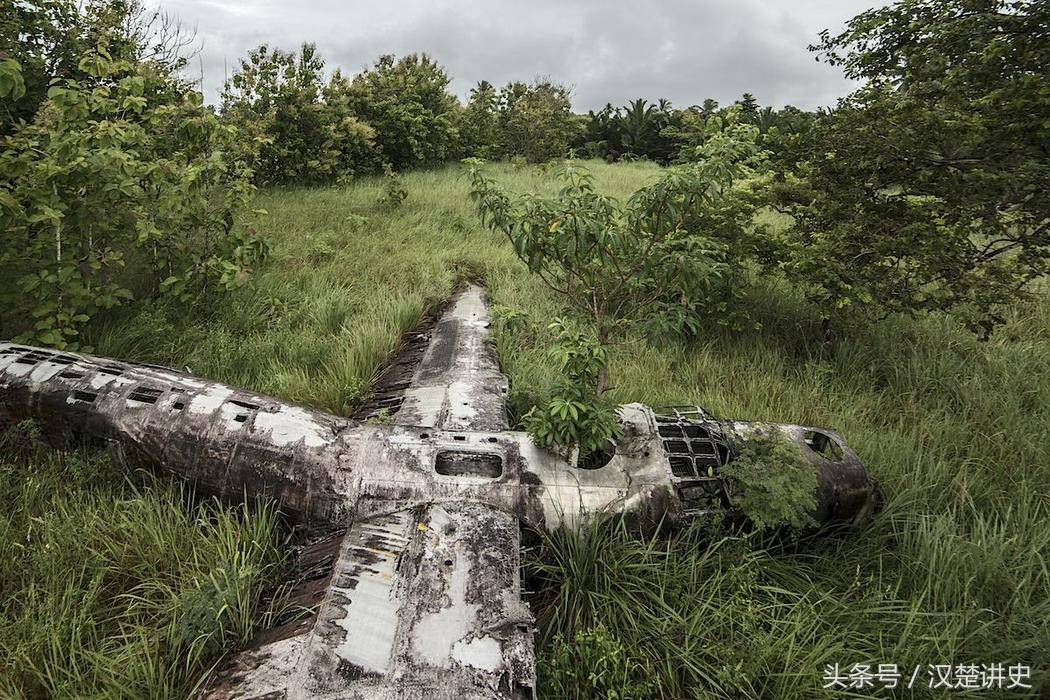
(926, 188)
(109, 588)
(910, 216)
(576, 415)
(952, 569)
(773, 483)
(128, 139)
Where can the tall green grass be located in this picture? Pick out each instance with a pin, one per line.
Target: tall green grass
(115, 589)
(955, 570)
(348, 278)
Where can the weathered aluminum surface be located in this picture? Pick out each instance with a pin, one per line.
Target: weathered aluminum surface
(423, 596)
(458, 384)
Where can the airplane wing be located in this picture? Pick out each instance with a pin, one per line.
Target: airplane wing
(420, 603)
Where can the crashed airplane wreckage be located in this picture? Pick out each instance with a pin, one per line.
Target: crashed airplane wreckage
(419, 595)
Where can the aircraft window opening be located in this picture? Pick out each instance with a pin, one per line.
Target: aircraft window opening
(245, 404)
(693, 449)
(33, 357)
(823, 445)
(145, 394)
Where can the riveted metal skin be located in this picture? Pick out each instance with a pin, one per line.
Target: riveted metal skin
(420, 593)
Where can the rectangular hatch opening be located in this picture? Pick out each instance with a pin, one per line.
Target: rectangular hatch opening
(480, 464)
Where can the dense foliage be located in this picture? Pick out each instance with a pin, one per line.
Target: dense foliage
(531, 122)
(671, 254)
(923, 191)
(126, 138)
(773, 483)
(291, 125)
(406, 101)
(926, 189)
(48, 38)
(665, 134)
(576, 415)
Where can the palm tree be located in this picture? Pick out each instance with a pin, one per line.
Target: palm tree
(765, 119)
(637, 126)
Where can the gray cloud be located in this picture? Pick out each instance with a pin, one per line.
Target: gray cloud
(607, 50)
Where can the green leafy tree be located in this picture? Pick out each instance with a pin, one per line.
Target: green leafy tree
(636, 130)
(47, 39)
(407, 102)
(664, 255)
(576, 415)
(294, 127)
(156, 171)
(479, 130)
(598, 137)
(637, 125)
(926, 189)
(34, 47)
(535, 121)
(748, 107)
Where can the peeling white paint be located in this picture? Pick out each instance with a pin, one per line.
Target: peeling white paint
(291, 424)
(485, 653)
(458, 384)
(370, 619)
(17, 369)
(45, 370)
(211, 401)
(229, 413)
(181, 379)
(424, 404)
(101, 379)
(436, 633)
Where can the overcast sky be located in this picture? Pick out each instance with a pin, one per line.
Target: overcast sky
(606, 50)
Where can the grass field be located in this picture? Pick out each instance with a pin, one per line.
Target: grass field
(955, 570)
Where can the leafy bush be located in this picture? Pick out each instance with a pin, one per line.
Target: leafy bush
(522, 122)
(575, 415)
(673, 250)
(394, 192)
(48, 38)
(773, 482)
(111, 174)
(594, 664)
(535, 121)
(637, 129)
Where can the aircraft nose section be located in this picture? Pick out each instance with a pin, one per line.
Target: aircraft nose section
(726, 464)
